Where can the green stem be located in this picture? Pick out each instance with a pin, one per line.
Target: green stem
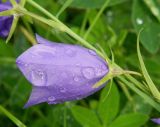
(56, 23)
(65, 5)
(11, 117)
(84, 22)
(7, 12)
(96, 18)
(140, 93)
(65, 117)
(153, 7)
(34, 4)
(29, 36)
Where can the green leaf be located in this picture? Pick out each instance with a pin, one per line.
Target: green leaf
(109, 107)
(154, 7)
(11, 117)
(130, 120)
(85, 116)
(65, 5)
(142, 18)
(91, 4)
(148, 79)
(13, 28)
(138, 104)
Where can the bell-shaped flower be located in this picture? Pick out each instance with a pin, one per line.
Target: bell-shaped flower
(5, 21)
(60, 72)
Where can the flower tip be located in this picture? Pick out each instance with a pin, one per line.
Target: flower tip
(40, 40)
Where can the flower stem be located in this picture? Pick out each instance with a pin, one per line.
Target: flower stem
(57, 23)
(96, 18)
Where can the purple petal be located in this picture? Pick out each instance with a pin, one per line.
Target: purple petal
(156, 120)
(60, 72)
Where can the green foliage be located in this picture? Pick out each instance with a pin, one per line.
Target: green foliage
(115, 29)
(91, 4)
(142, 18)
(90, 119)
(108, 108)
(130, 120)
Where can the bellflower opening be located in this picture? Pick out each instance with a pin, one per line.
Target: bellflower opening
(5, 21)
(60, 72)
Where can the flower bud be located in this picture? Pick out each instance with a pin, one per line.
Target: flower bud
(60, 72)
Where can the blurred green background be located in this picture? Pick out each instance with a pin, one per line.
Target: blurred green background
(117, 29)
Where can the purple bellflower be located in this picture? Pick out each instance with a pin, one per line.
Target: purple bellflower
(156, 120)
(5, 21)
(60, 72)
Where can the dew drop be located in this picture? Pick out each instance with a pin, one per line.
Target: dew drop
(38, 78)
(51, 99)
(139, 21)
(76, 79)
(92, 52)
(88, 72)
(78, 64)
(45, 51)
(62, 90)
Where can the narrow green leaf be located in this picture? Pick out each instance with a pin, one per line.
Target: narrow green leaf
(148, 79)
(130, 120)
(11, 117)
(65, 5)
(96, 18)
(7, 12)
(142, 18)
(92, 4)
(147, 98)
(13, 27)
(22, 3)
(154, 6)
(13, 2)
(85, 117)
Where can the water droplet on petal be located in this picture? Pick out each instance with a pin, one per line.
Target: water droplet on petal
(76, 79)
(45, 52)
(92, 52)
(78, 64)
(38, 78)
(51, 99)
(88, 72)
(62, 90)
